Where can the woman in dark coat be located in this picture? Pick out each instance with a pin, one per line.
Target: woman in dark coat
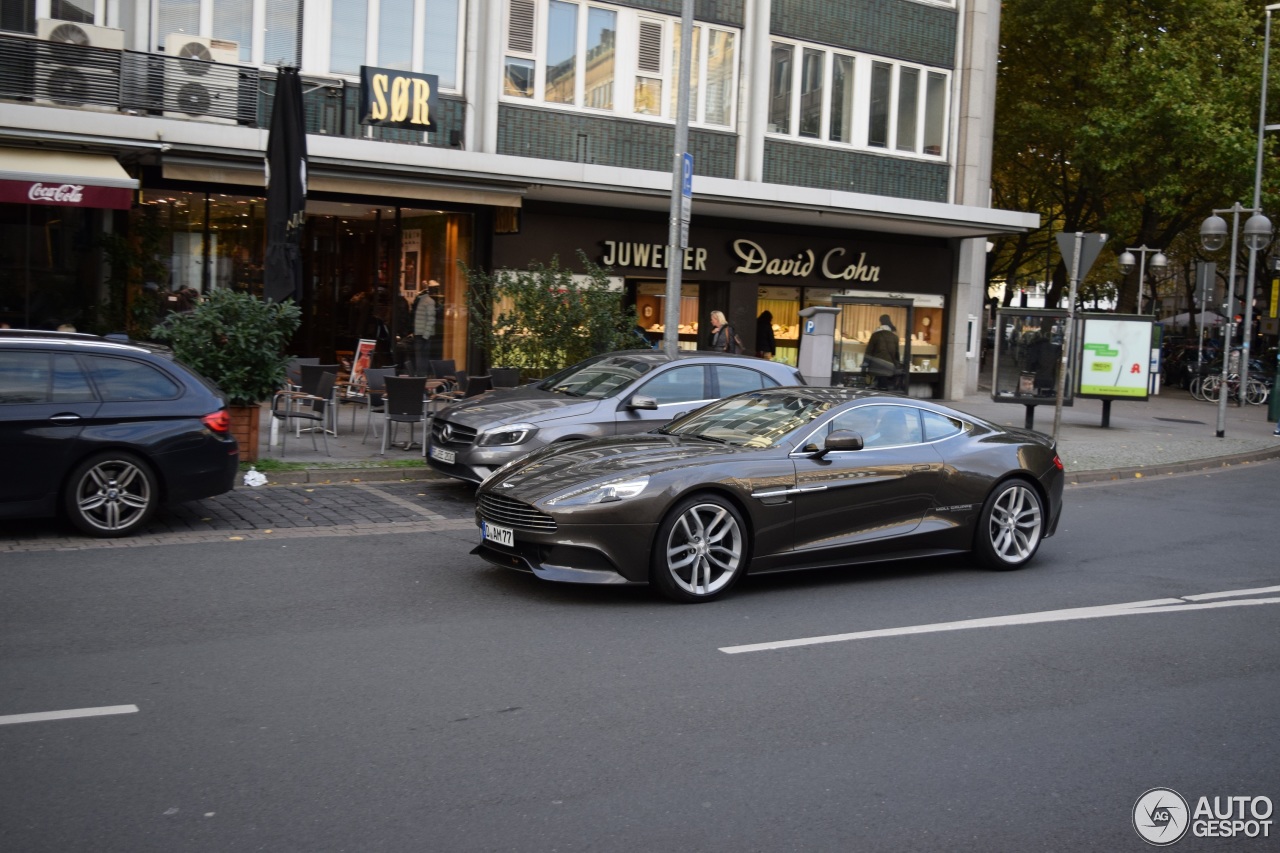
(766, 345)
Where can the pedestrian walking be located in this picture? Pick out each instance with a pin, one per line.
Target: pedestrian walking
(766, 343)
(723, 337)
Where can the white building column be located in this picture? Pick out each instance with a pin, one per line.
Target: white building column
(753, 99)
(973, 132)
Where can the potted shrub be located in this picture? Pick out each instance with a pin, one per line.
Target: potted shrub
(238, 342)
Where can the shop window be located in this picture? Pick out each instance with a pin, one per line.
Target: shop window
(783, 304)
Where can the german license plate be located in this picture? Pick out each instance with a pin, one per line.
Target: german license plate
(498, 534)
(441, 455)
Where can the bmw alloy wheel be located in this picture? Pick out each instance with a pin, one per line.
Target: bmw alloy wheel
(111, 494)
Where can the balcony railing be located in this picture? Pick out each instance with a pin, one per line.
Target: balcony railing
(137, 83)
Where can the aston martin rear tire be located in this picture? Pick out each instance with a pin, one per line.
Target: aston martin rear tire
(1011, 526)
(701, 549)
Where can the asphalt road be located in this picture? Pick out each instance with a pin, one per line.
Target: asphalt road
(317, 690)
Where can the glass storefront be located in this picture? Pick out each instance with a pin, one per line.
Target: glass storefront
(371, 272)
(50, 266)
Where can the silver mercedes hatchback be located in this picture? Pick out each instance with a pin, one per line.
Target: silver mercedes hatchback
(614, 394)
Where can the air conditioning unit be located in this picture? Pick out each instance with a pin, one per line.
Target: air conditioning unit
(77, 65)
(202, 78)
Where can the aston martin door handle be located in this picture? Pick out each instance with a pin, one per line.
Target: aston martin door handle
(62, 419)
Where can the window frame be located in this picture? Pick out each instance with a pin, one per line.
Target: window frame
(864, 73)
(630, 25)
(372, 45)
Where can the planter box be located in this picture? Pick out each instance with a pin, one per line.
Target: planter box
(244, 426)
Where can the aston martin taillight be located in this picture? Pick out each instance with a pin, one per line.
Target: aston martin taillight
(219, 421)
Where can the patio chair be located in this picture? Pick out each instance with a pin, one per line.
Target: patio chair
(405, 403)
(293, 408)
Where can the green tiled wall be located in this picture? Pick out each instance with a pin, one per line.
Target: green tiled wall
(854, 171)
(899, 29)
(578, 138)
(729, 12)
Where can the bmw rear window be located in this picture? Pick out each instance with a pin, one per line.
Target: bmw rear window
(125, 380)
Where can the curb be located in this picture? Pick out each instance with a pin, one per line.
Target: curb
(1110, 474)
(307, 476)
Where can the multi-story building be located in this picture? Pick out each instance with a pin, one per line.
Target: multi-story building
(841, 156)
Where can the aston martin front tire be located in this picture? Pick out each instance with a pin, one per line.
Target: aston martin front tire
(701, 549)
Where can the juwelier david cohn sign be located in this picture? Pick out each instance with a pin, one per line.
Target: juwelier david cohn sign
(391, 98)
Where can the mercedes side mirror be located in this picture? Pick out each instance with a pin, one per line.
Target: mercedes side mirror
(640, 401)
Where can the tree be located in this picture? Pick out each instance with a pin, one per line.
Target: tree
(546, 317)
(1132, 118)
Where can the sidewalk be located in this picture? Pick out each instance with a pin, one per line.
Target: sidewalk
(1169, 433)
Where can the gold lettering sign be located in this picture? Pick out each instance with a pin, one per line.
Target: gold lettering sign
(390, 98)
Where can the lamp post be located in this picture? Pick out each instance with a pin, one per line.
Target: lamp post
(1159, 262)
(1213, 234)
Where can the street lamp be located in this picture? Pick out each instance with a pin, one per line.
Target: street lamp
(1159, 262)
(1213, 234)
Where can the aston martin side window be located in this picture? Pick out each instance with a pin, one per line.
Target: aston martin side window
(882, 426)
(678, 385)
(938, 426)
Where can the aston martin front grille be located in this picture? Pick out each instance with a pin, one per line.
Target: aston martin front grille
(518, 514)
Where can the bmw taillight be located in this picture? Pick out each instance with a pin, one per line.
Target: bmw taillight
(1057, 462)
(219, 421)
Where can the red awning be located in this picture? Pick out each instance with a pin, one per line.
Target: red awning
(64, 179)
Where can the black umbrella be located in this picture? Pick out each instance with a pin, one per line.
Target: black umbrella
(286, 188)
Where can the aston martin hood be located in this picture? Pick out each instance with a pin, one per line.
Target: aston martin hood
(558, 467)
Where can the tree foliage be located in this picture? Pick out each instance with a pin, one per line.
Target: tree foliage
(1132, 118)
(546, 317)
(236, 341)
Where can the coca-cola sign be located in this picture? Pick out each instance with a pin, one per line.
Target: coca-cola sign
(69, 194)
(61, 194)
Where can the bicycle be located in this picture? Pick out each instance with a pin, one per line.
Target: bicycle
(1255, 391)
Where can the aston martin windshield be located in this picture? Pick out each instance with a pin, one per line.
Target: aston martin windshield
(596, 379)
(755, 420)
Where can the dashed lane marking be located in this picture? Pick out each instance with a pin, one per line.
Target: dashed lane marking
(45, 716)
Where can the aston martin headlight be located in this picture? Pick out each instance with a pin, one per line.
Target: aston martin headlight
(507, 435)
(599, 493)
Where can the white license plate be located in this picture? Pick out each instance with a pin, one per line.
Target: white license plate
(498, 534)
(441, 455)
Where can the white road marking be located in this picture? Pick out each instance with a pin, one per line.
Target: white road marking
(68, 715)
(1133, 608)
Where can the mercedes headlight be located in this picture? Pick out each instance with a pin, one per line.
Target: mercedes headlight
(599, 493)
(507, 435)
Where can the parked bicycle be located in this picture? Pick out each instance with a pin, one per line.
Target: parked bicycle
(1256, 391)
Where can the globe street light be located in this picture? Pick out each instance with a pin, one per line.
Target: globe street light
(1159, 262)
(1213, 233)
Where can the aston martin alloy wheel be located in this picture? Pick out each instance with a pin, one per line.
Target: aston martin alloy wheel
(701, 549)
(111, 494)
(1011, 526)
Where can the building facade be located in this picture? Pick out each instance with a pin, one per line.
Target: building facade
(841, 154)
